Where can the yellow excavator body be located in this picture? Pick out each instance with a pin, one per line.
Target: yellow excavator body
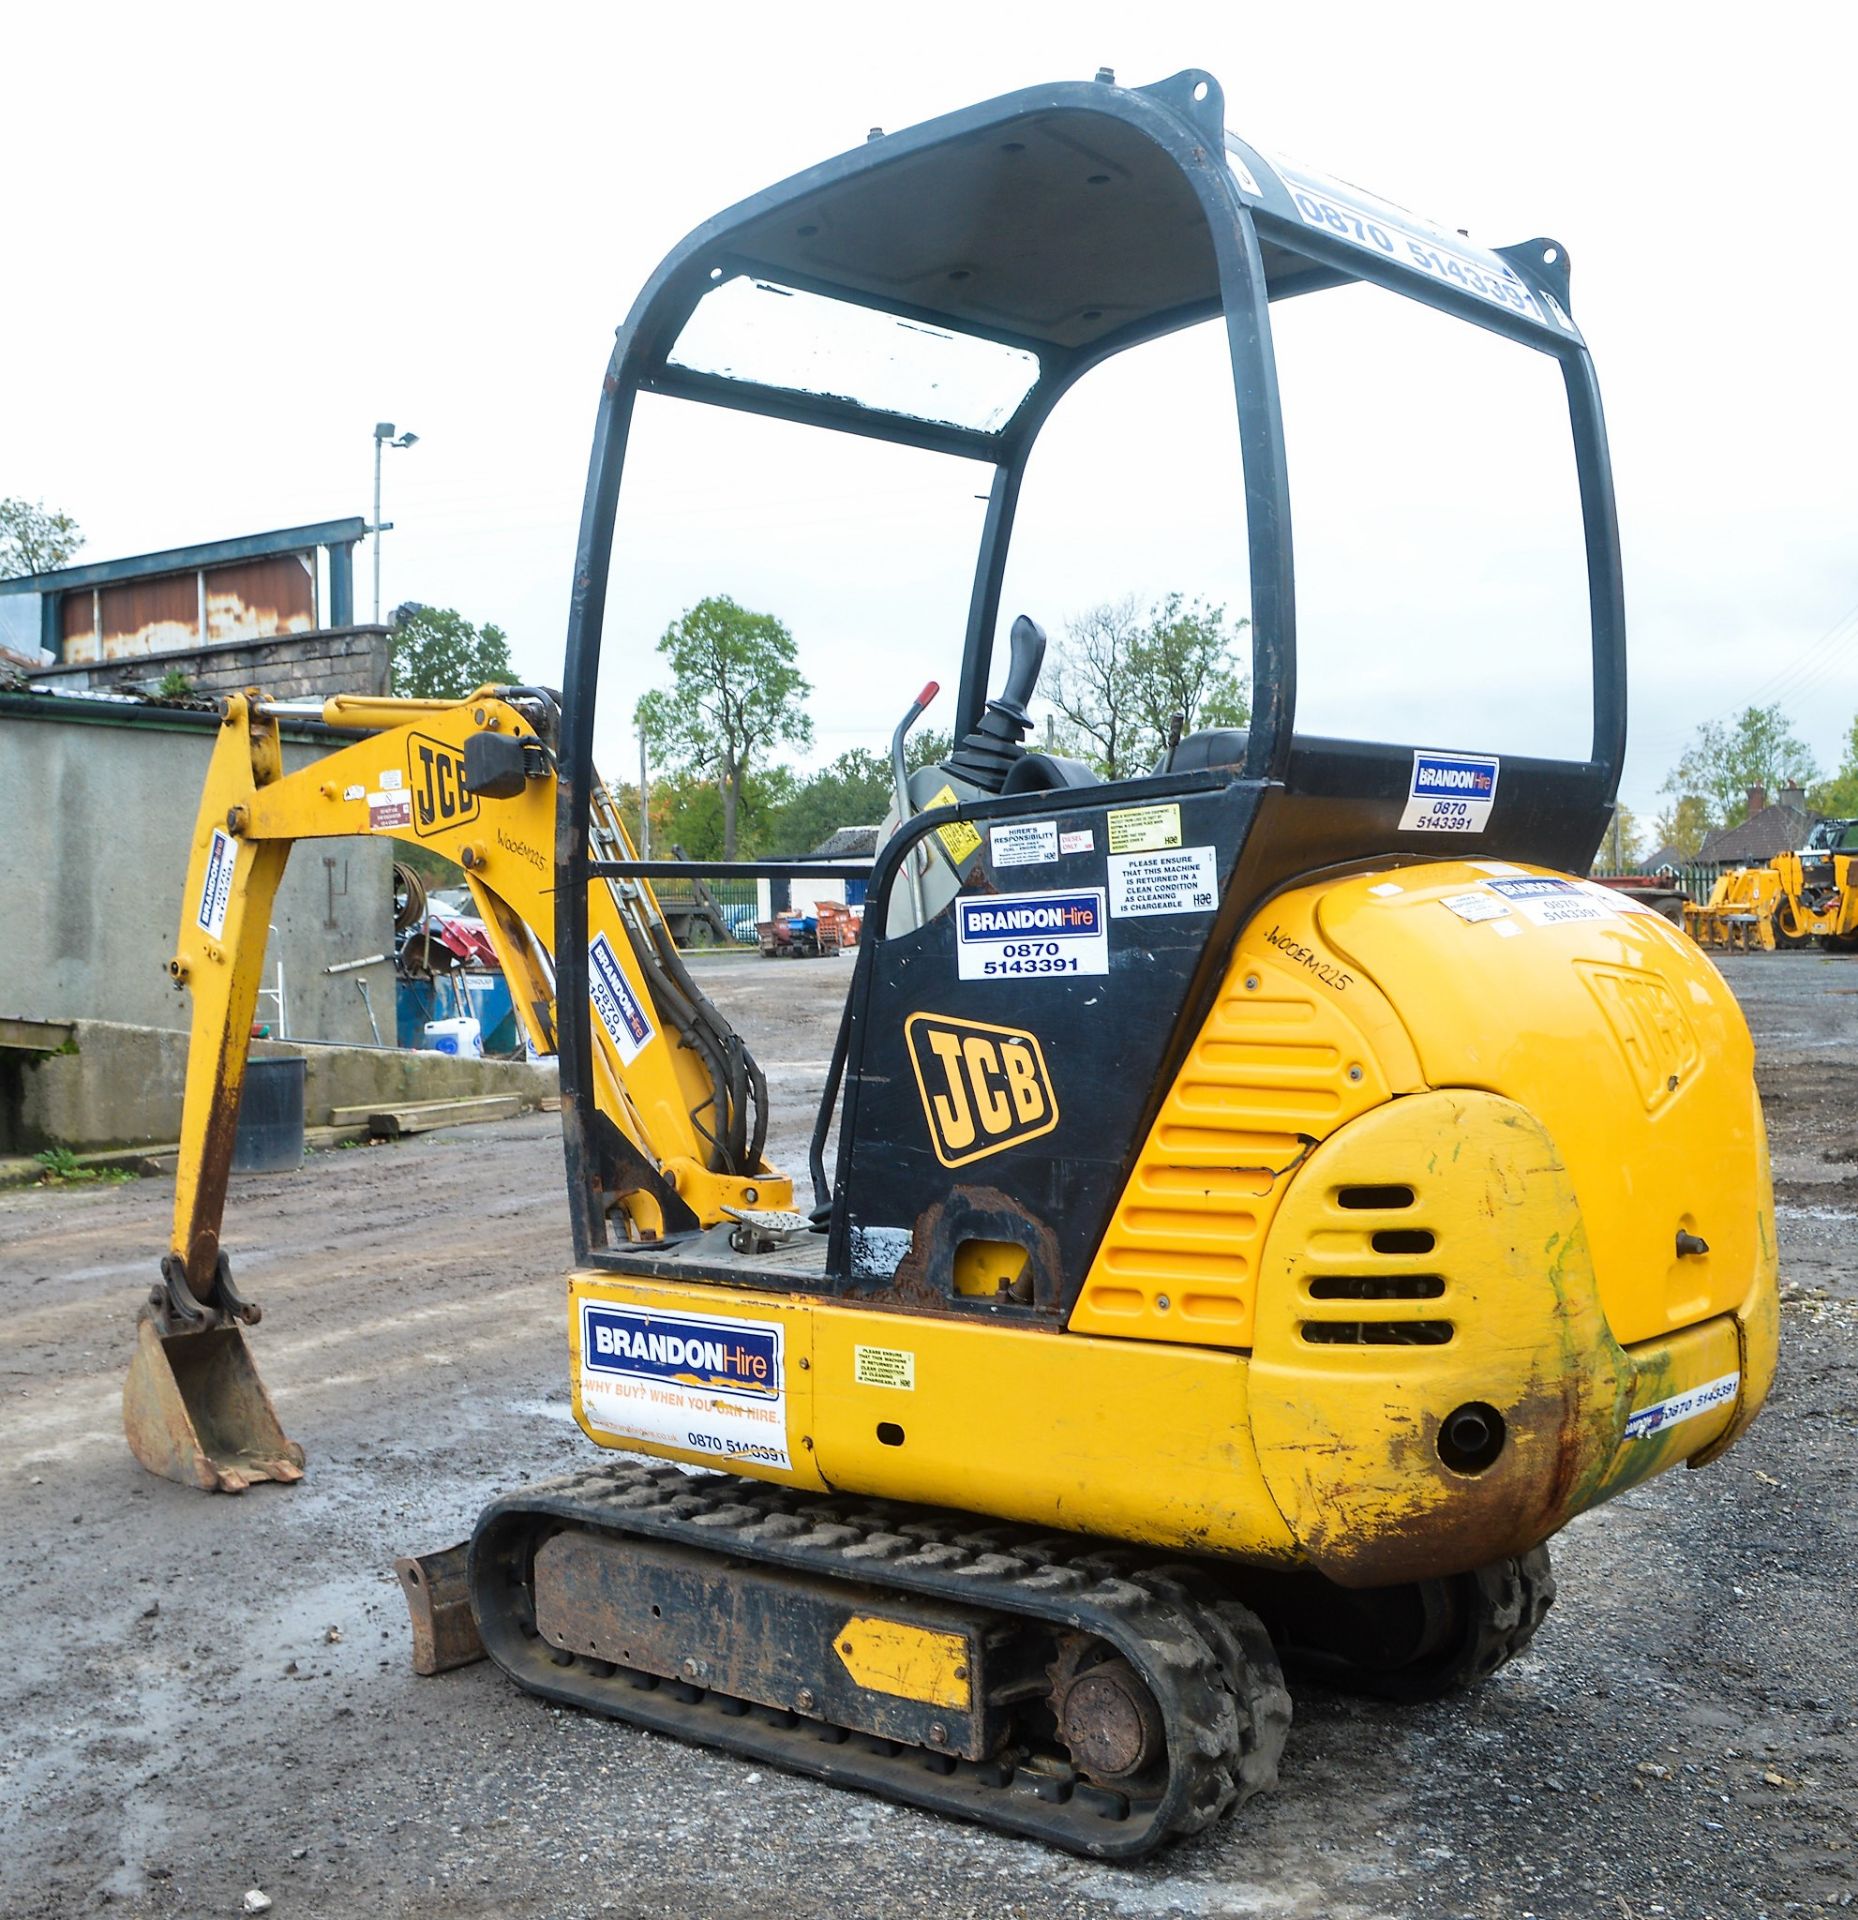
(1462, 1294)
(1271, 1196)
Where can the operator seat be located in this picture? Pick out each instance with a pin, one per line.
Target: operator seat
(1209, 747)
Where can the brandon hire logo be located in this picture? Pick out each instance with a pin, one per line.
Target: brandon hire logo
(1435, 774)
(983, 1088)
(1048, 916)
(717, 1356)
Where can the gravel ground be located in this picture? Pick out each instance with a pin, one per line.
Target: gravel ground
(208, 1695)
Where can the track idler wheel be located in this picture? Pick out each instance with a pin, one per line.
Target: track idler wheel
(1107, 1718)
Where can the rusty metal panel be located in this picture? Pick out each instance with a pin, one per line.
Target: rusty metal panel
(77, 620)
(769, 1635)
(159, 615)
(256, 599)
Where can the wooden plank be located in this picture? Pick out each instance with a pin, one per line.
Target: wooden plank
(422, 1116)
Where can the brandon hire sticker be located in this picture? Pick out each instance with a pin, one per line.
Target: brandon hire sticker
(616, 1003)
(1024, 843)
(1450, 792)
(1006, 936)
(698, 1382)
(1549, 902)
(1180, 881)
(1681, 1406)
(216, 888)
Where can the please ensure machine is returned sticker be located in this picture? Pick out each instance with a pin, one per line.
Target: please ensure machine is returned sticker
(1450, 792)
(1181, 880)
(1009, 936)
(700, 1382)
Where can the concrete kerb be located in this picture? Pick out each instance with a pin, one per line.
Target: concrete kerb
(119, 1092)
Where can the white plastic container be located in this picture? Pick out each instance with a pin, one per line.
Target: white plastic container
(460, 1036)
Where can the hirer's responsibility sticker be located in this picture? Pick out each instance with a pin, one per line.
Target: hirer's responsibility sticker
(1145, 829)
(1550, 902)
(699, 1382)
(1647, 1421)
(884, 1367)
(958, 836)
(1016, 935)
(1475, 906)
(1082, 841)
(1181, 881)
(616, 1003)
(1023, 843)
(1450, 792)
(216, 888)
(389, 809)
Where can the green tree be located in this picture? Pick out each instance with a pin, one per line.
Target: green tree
(1758, 749)
(737, 691)
(439, 655)
(1124, 672)
(1183, 667)
(687, 812)
(1837, 797)
(1683, 825)
(856, 790)
(1624, 845)
(33, 539)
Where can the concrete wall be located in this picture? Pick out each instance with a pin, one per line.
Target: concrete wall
(298, 666)
(97, 808)
(121, 1086)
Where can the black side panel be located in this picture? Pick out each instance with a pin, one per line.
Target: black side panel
(1008, 1106)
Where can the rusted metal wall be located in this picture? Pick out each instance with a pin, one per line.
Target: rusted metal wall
(249, 600)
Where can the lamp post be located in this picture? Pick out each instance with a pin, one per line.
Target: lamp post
(383, 437)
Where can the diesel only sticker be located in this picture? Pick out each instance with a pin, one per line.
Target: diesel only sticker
(983, 1088)
(697, 1382)
(1183, 881)
(626, 1022)
(1013, 935)
(1450, 793)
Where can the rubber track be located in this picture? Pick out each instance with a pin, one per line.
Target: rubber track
(1207, 1659)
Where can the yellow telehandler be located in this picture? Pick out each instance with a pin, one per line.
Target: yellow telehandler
(1798, 896)
(1271, 1197)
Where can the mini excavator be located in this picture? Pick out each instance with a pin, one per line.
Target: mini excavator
(1270, 1195)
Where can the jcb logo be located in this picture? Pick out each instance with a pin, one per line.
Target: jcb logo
(984, 1088)
(435, 772)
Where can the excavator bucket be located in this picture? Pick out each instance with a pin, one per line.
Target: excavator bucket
(196, 1411)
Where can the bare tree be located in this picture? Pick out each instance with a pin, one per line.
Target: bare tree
(1094, 689)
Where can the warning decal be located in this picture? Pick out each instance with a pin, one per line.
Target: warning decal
(1181, 881)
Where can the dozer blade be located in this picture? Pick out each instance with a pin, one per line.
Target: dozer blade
(196, 1411)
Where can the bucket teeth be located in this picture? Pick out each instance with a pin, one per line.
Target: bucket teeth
(195, 1411)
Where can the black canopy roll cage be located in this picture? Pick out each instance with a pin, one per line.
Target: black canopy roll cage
(1071, 222)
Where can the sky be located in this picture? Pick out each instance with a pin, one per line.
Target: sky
(244, 239)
